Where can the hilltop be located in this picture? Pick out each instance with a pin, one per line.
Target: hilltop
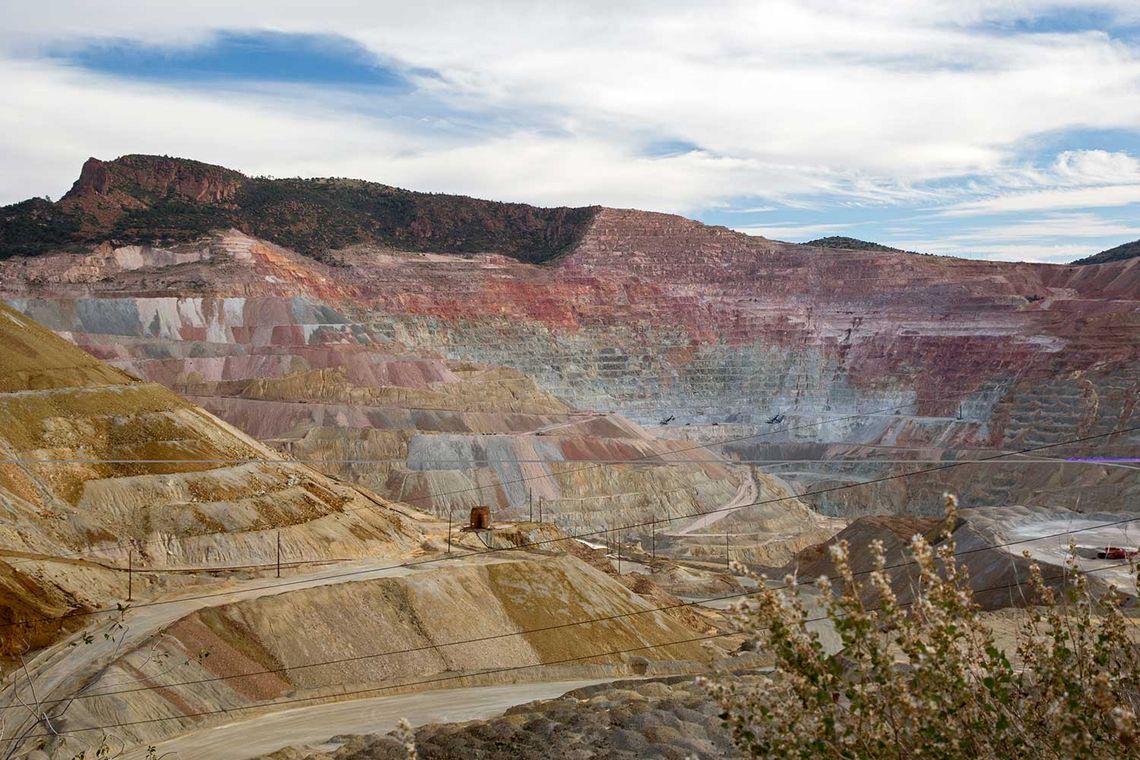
(852, 244)
(140, 198)
(1119, 253)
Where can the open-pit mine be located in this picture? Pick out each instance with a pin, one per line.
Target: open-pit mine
(246, 426)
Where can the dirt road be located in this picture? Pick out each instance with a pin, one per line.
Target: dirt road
(745, 496)
(315, 725)
(58, 671)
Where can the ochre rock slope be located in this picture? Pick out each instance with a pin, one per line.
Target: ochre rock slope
(379, 637)
(99, 470)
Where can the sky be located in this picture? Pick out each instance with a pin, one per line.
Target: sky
(999, 129)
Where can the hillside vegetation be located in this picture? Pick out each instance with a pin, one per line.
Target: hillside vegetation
(1119, 253)
(852, 244)
(141, 199)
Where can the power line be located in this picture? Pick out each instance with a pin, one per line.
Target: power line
(559, 626)
(543, 542)
(441, 679)
(665, 461)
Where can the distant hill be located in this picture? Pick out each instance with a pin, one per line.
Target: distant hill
(852, 244)
(143, 199)
(1119, 253)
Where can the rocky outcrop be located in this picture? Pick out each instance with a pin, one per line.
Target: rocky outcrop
(140, 198)
(628, 720)
(154, 177)
(996, 547)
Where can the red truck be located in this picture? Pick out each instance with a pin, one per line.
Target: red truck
(1116, 552)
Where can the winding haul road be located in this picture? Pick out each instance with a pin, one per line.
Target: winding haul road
(317, 724)
(745, 496)
(58, 671)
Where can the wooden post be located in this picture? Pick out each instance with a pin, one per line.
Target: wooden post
(278, 554)
(727, 564)
(530, 503)
(618, 542)
(449, 530)
(540, 509)
(130, 574)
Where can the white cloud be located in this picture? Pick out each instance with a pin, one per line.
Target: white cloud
(1043, 200)
(1094, 167)
(1039, 253)
(1044, 238)
(790, 102)
(81, 114)
(1051, 226)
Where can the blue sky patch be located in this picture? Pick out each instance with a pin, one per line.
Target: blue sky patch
(259, 56)
(663, 148)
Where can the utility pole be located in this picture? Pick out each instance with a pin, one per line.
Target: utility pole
(619, 551)
(278, 554)
(653, 543)
(130, 574)
(530, 502)
(449, 530)
(540, 509)
(727, 564)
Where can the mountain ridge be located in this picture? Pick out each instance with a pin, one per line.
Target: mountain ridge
(1121, 252)
(141, 198)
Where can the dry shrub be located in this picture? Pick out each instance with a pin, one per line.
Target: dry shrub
(926, 679)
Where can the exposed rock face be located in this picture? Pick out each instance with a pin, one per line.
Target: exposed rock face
(260, 337)
(656, 317)
(99, 469)
(653, 317)
(96, 465)
(135, 176)
(112, 460)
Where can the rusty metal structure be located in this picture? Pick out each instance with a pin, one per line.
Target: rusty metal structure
(480, 519)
